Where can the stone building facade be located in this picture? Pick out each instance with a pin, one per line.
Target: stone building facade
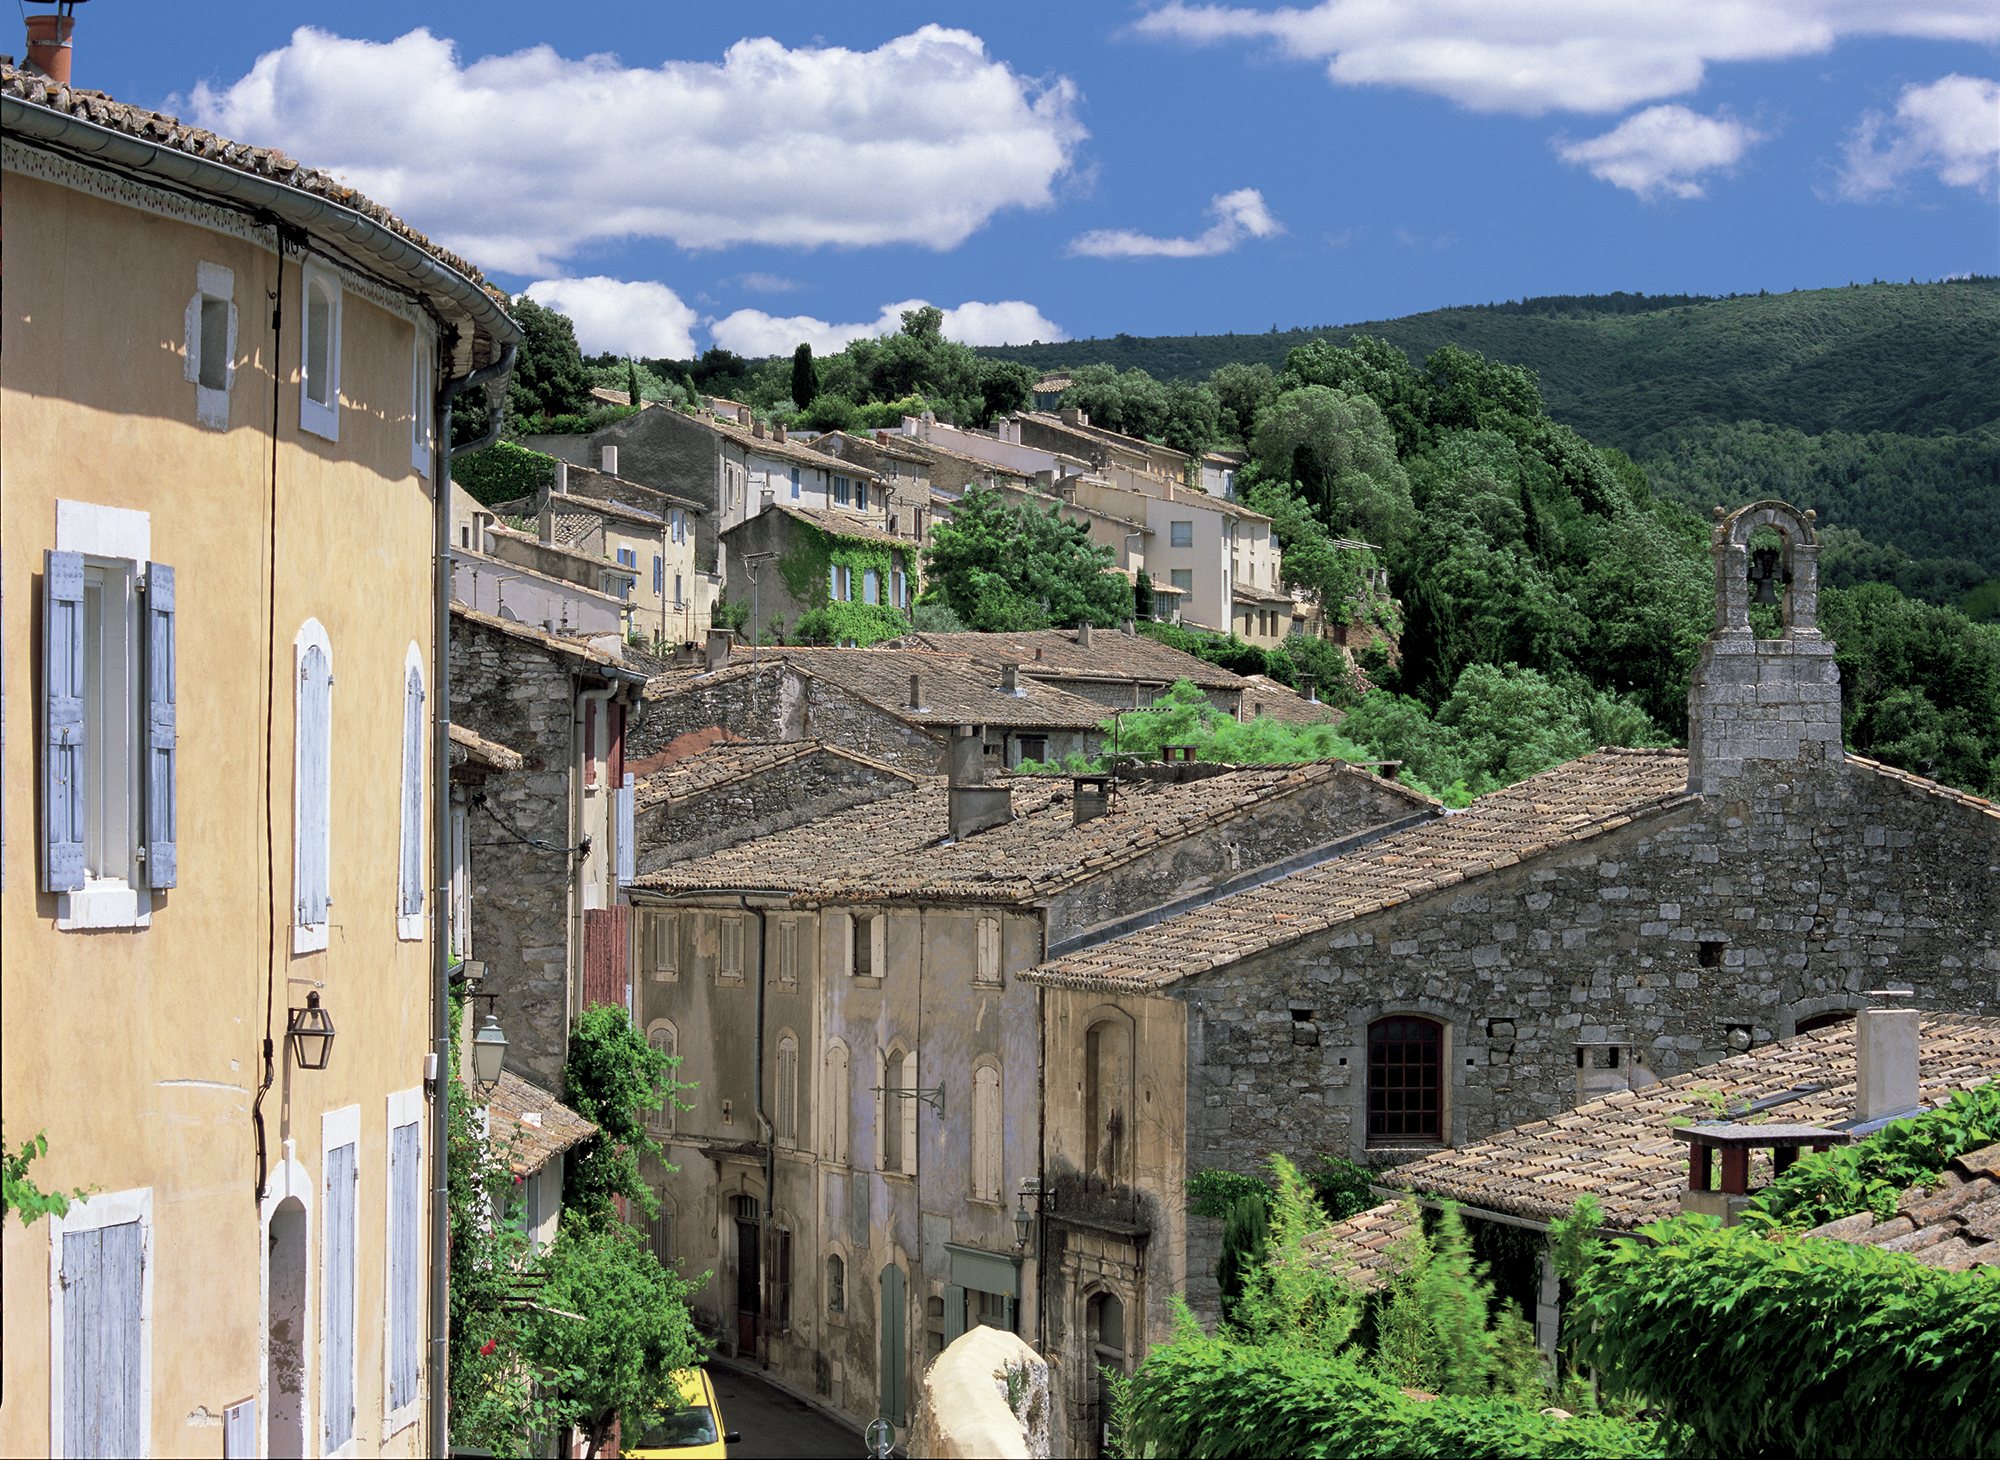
(1604, 925)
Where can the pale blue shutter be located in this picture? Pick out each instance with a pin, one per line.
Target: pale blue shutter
(160, 757)
(404, 1217)
(239, 1431)
(62, 722)
(627, 850)
(103, 1283)
(337, 1295)
(871, 586)
(315, 784)
(410, 901)
(833, 583)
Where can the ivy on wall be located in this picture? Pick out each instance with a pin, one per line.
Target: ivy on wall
(503, 472)
(805, 569)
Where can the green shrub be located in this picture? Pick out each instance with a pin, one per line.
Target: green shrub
(503, 472)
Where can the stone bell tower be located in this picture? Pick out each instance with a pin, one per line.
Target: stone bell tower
(1762, 699)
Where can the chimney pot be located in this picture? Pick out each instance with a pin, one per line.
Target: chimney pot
(1090, 796)
(1083, 636)
(1885, 1060)
(1010, 678)
(778, 430)
(743, 415)
(562, 477)
(970, 804)
(608, 456)
(757, 429)
(49, 47)
(719, 642)
(916, 692)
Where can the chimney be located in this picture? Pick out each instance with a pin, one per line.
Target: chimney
(545, 517)
(1010, 678)
(1885, 1059)
(1083, 636)
(49, 47)
(970, 804)
(743, 415)
(562, 477)
(1131, 628)
(766, 500)
(1071, 416)
(1312, 696)
(916, 692)
(778, 430)
(757, 428)
(719, 641)
(1091, 796)
(607, 457)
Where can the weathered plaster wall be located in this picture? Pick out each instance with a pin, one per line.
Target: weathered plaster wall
(788, 795)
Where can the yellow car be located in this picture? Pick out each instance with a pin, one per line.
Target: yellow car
(694, 1432)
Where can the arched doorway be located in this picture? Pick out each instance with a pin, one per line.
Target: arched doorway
(1104, 1325)
(285, 1319)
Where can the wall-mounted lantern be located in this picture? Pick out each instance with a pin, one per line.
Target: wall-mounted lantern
(489, 1051)
(310, 1033)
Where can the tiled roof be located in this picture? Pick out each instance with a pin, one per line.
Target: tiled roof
(730, 761)
(600, 507)
(1571, 803)
(916, 445)
(1265, 698)
(163, 130)
(1112, 654)
(840, 524)
(592, 560)
(769, 445)
(610, 664)
(1135, 444)
(1622, 1149)
(898, 849)
(956, 689)
(588, 484)
(481, 751)
(884, 443)
(1362, 1245)
(1953, 1225)
(530, 1127)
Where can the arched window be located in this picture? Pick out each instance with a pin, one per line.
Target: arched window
(1107, 1096)
(1405, 1079)
(319, 354)
(788, 1090)
(662, 1035)
(410, 869)
(986, 1137)
(1104, 1324)
(836, 1283)
(835, 1097)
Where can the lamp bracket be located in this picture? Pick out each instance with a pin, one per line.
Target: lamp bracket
(933, 1097)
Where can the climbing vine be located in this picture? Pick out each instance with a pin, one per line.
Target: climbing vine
(805, 569)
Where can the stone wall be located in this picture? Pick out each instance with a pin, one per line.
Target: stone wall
(788, 795)
(1682, 937)
(522, 696)
(774, 702)
(659, 448)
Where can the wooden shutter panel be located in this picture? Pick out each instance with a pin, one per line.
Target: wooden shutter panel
(103, 1285)
(411, 899)
(315, 789)
(954, 1312)
(404, 1217)
(627, 851)
(590, 742)
(158, 778)
(337, 1295)
(909, 1103)
(62, 722)
(239, 1431)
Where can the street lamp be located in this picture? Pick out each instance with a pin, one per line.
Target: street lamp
(310, 1033)
(489, 1050)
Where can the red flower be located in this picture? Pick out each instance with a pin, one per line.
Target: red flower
(486, 1349)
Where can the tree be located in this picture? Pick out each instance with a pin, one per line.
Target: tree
(805, 376)
(1330, 575)
(1340, 452)
(549, 376)
(1004, 567)
(608, 1331)
(1142, 596)
(614, 1078)
(1194, 418)
(632, 381)
(924, 323)
(1241, 393)
(1004, 387)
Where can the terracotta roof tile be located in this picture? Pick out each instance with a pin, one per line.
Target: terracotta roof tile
(898, 848)
(1569, 803)
(614, 667)
(730, 761)
(530, 1126)
(1111, 654)
(489, 753)
(1267, 699)
(955, 689)
(840, 524)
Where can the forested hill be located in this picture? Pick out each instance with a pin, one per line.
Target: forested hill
(1628, 369)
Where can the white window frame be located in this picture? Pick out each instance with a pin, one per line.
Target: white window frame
(405, 1107)
(289, 1181)
(423, 377)
(116, 539)
(987, 971)
(989, 1145)
(310, 937)
(663, 951)
(410, 926)
(340, 1128)
(321, 419)
(730, 928)
(1180, 534)
(108, 1209)
(213, 284)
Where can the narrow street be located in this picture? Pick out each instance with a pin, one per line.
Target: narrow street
(774, 1424)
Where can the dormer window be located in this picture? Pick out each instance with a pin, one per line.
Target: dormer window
(319, 354)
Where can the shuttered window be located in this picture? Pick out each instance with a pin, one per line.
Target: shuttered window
(834, 1100)
(160, 730)
(103, 1340)
(410, 876)
(906, 1079)
(788, 1090)
(63, 748)
(731, 963)
(337, 1295)
(871, 586)
(988, 970)
(405, 1263)
(628, 850)
(662, 1036)
(313, 791)
(986, 1133)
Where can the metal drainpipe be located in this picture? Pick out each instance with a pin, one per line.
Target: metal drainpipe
(441, 455)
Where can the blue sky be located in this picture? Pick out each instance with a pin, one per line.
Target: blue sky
(677, 175)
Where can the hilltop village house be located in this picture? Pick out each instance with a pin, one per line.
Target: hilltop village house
(223, 767)
(868, 1065)
(1611, 922)
(804, 569)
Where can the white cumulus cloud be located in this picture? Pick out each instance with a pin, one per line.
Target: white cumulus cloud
(1950, 127)
(1663, 150)
(755, 333)
(622, 316)
(1238, 215)
(518, 161)
(1534, 56)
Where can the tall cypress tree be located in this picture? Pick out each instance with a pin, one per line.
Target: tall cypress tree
(805, 376)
